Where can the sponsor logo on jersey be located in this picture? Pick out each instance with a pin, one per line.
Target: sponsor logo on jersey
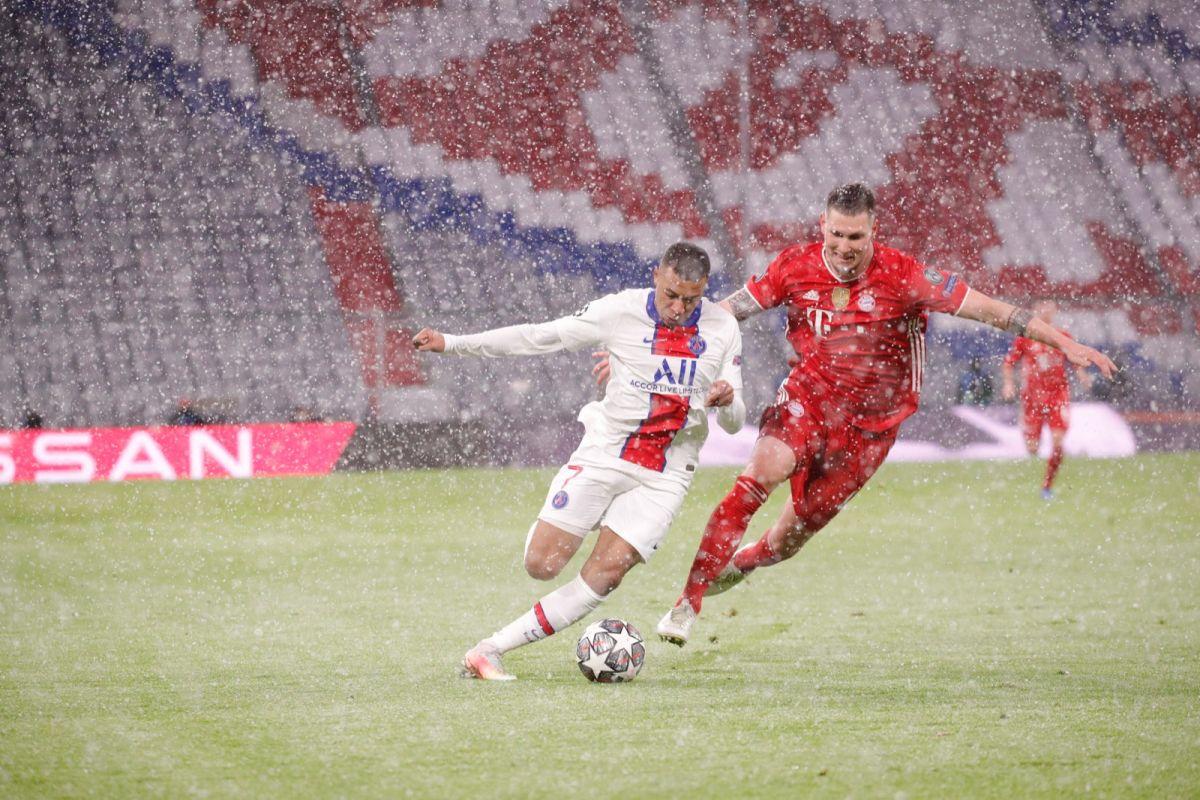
(866, 301)
(560, 500)
(813, 295)
(950, 284)
(933, 275)
(841, 297)
(674, 376)
(687, 372)
(666, 388)
(819, 320)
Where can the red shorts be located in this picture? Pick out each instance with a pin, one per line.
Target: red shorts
(833, 459)
(1038, 411)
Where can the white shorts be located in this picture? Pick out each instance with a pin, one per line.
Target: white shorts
(639, 508)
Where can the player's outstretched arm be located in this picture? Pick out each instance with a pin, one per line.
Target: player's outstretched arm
(430, 341)
(585, 327)
(741, 304)
(1022, 322)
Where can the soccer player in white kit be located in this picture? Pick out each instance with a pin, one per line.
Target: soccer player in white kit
(672, 356)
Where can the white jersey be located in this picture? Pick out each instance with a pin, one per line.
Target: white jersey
(652, 414)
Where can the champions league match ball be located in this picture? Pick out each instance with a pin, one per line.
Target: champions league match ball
(610, 651)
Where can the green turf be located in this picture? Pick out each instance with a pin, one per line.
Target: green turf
(949, 635)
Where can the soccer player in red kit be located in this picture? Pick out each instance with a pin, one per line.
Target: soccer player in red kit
(857, 313)
(1045, 393)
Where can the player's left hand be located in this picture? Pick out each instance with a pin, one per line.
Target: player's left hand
(721, 394)
(1083, 356)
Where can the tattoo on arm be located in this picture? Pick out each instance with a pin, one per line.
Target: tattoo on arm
(742, 304)
(1018, 321)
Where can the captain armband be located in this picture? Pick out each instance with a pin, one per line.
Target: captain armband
(1018, 321)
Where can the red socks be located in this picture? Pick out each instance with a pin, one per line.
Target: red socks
(724, 532)
(1056, 457)
(756, 555)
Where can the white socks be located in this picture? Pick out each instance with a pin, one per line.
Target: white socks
(564, 606)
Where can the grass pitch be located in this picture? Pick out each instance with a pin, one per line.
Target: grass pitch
(949, 635)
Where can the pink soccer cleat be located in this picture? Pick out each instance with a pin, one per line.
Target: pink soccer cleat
(483, 661)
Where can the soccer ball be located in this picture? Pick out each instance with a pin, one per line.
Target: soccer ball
(610, 651)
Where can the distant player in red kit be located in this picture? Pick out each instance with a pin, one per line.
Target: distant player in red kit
(857, 313)
(1045, 393)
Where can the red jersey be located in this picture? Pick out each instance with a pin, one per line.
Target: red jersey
(1043, 370)
(861, 344)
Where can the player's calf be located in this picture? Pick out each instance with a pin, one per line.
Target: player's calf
(722, 534)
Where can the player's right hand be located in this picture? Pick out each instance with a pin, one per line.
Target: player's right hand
(1083, 356)
(602, 371)
(427, 339)
(721, 394)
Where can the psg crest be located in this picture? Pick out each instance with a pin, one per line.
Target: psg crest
(560, 500)
(697, 344)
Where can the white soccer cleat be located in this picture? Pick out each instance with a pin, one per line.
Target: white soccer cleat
(730, 577)
(483, 661)
(677, 624)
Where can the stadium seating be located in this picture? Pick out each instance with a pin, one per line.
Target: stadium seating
(150, 255)
(301, 185)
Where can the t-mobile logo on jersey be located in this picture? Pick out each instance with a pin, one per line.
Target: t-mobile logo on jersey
(819, 319)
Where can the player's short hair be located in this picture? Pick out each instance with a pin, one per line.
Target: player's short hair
(689, 261)
(851, 199)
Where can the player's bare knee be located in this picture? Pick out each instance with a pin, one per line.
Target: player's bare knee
(541, 567)
(771, 463)
(768, 476)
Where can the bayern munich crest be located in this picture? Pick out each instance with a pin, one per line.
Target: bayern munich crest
(560, 500)
(697, 344)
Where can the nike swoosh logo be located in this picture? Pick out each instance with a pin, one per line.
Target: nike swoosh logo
(648, 340)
